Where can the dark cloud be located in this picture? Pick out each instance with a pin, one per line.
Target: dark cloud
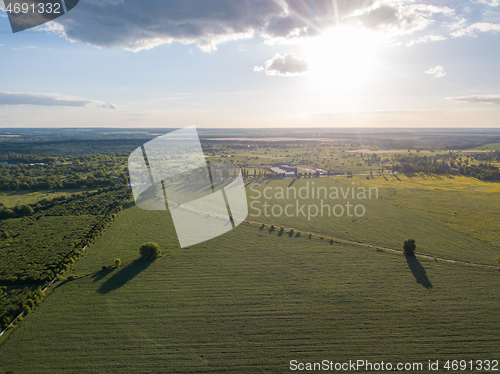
(8, 98)
(145, 24)
(287, 65)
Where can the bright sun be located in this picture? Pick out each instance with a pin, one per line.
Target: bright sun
(341, 58)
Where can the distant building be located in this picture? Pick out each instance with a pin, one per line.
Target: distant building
(278, 170)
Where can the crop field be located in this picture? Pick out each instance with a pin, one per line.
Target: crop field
(38, 246)
(465, 204)
(405, 208)
(259, 296)
(489, 147)
(13, 198)
(216, 307)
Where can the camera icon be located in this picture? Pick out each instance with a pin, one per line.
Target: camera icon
(205, 199)
(25, 14)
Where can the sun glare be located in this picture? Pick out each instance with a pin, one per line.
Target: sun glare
(342, 58)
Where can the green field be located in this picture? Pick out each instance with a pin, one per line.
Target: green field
(252, 307)
(253, 299)
(13, 198)
(451, 222)
(489, 147)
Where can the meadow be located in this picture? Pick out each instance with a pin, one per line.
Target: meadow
(38, 246)
(13, 198)
(252, 307)
(255, 298)
(455, 219)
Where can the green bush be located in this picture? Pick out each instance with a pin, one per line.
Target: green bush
(118, 262)
(150, 251)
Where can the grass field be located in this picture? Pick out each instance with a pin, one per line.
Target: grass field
(249, 302)
(462, 203)
(252, 300)
(456, 218)
(489, 147)
(13, 198)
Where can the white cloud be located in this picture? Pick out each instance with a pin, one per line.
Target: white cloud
(486, 99)
(398, 18)
(26, 47)
(438, 71)
(287, 65)
(426, 39)
(492, 3)
(473, 29)
(26, 98)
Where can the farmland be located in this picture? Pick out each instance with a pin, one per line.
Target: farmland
(256, 298)
(38, 246)
(389, 219)
(217, 307)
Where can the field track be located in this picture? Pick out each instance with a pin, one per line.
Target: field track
(342, 240)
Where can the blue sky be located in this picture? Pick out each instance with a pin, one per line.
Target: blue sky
(256, 63)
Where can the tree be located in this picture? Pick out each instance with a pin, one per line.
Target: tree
(409, 248)
(150, 251)
(118, 262)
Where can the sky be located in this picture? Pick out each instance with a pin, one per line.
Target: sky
(254, 64)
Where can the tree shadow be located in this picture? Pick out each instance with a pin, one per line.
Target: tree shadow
(101, 274)
(124, 275)
(129, 205)
(418, 272)
(292, 182)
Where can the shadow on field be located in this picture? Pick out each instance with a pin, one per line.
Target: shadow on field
(101, 274)
(418, 272)
(129, 205)
(124, 275)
